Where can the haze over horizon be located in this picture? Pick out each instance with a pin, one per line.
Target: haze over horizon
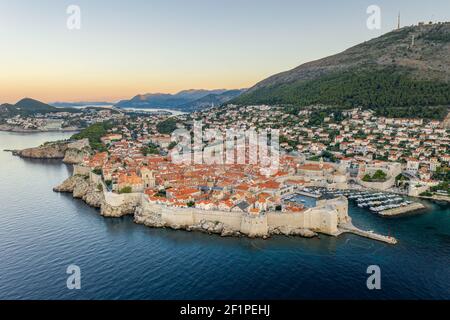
(138, 46)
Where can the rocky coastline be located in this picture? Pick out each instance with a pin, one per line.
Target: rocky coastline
(10, 128)
(69, 152)
(82, 187)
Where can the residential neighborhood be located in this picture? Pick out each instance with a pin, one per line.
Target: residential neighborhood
(358, 151)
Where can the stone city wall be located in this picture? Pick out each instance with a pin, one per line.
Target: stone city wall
(323, 219)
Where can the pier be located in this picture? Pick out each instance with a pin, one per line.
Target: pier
(401, 210)
(350, 228)
(309, 194)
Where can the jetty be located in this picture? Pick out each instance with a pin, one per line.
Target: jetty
(401, 210)
(350, 228)
(309, 193)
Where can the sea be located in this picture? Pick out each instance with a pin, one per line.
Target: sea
(43, 233)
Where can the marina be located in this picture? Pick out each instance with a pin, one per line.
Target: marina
(308, 197)
(382, 203)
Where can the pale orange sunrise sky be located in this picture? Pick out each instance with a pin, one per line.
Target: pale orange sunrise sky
(125, 48)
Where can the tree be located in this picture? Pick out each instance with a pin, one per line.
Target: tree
(172, 145)
(97, 171)
(108, 183)
(150, 149)
(391, 91)
(191, 204)
(167, 126)
(379, 175)
(161, 194)
(94, 133)
(125, 190)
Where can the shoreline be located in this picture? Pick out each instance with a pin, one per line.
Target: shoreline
(70, 152)
(82, 188)
(30, 131)
(15, 129)
(90, 187)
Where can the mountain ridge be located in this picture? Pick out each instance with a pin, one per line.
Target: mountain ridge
(29, 106)
(415, 57)
(185, 100)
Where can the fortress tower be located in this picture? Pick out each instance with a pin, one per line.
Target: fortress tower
(149, 178)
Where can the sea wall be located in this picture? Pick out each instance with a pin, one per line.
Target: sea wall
(321, 219)
(90, 187)
(118, 205)
(378, 185)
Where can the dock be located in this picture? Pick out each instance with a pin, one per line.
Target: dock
(308, 194)
(401, 210)
(350, 228)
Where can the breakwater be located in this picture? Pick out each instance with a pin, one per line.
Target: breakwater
(401, 210)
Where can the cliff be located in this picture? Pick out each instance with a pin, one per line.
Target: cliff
(55, 150)
(89, 187)
(82, 188)
(69, 152)
(77, 151)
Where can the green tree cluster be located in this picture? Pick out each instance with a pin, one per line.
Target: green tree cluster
(167, 126)
(94, 133)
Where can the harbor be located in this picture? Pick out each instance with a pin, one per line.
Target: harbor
(382, 203)
(309, 197)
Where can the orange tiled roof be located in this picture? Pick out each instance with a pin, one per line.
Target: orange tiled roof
(129, 178)
(269, 185)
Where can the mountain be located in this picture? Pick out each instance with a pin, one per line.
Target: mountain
(34, 105)
(405, 68)
(183, 100)
(29, 106)
(212, 100)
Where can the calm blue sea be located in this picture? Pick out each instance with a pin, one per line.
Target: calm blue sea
(42, 233)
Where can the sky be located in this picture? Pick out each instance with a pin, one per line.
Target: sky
(124, 48)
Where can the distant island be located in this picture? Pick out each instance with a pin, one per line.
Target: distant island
(186, 100)
(30, 115)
